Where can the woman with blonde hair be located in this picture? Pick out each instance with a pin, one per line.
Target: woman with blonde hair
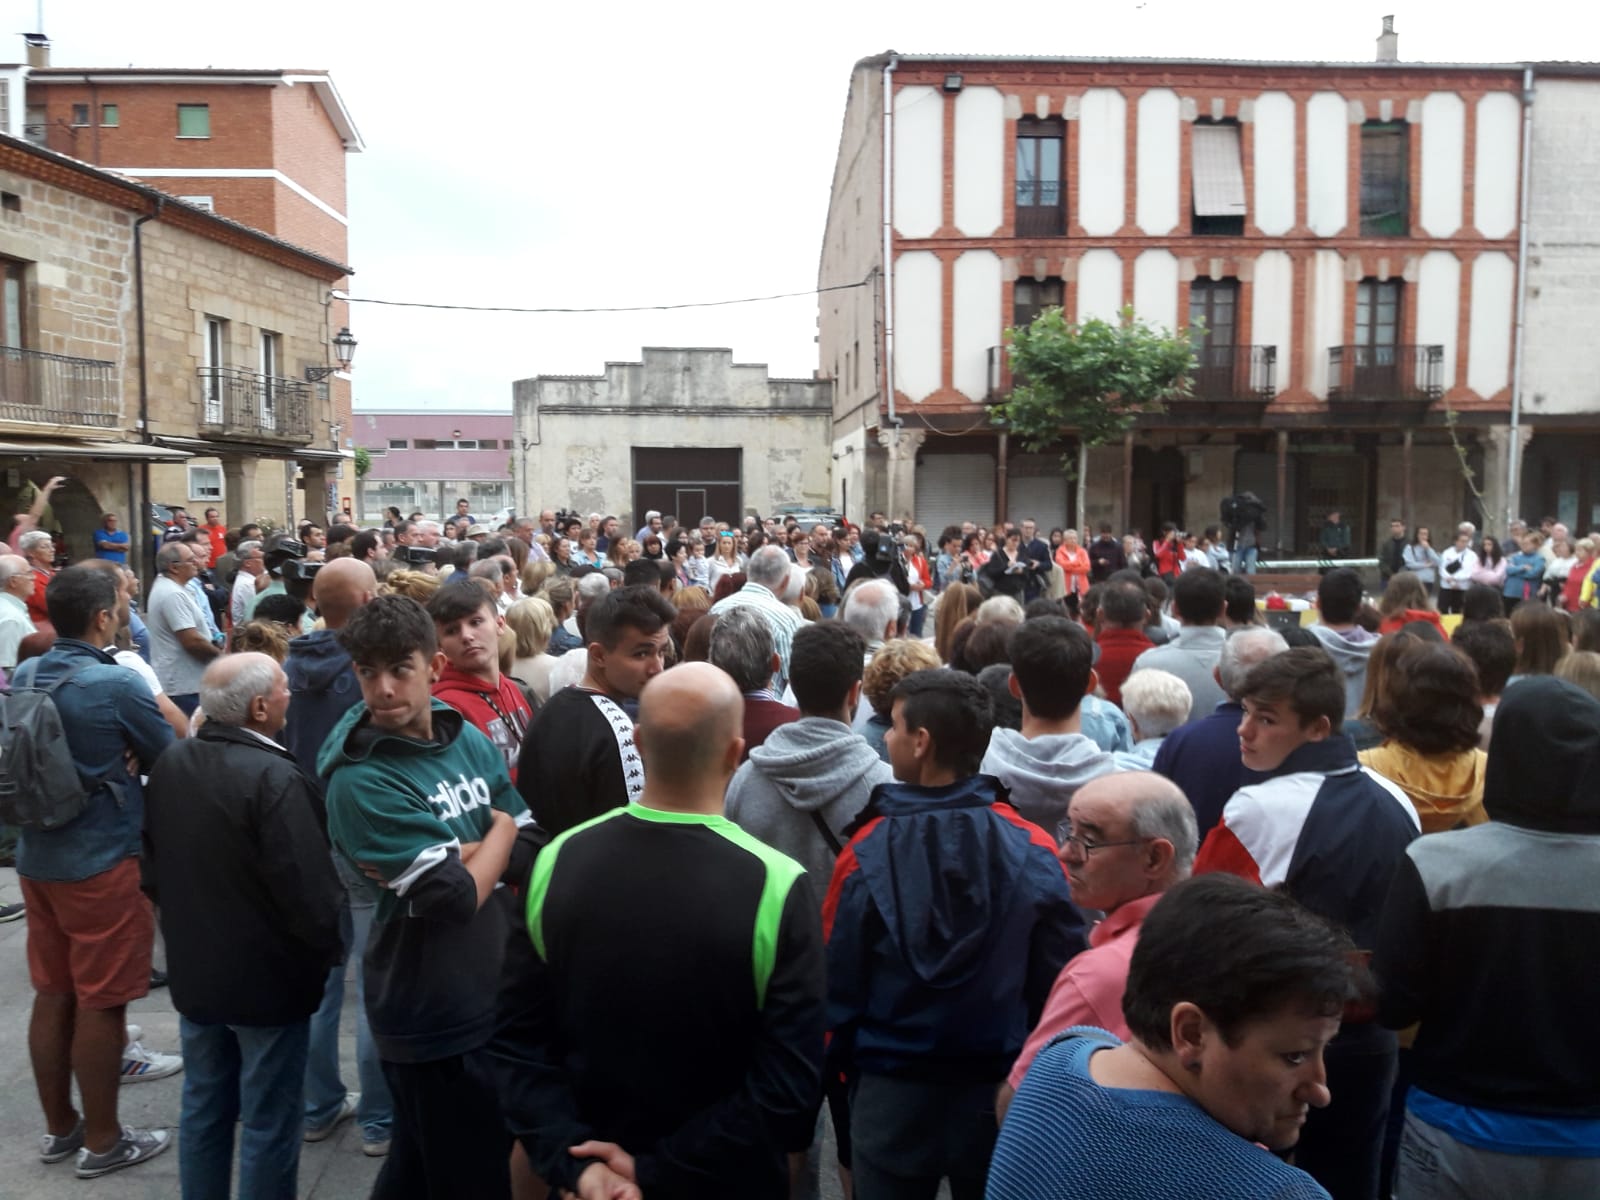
(418, 585)
(956, 603)
(894, 660)
(691, 597)
(263, 637)
(1581, 667)
(532, 621)
(534, 575)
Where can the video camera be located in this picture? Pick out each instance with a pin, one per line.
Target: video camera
(415, 556)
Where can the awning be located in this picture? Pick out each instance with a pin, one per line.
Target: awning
(207, 449)
(1218, 172)
(91, 451)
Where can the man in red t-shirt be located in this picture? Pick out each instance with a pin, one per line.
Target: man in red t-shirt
(1120, 636)
(214, 531)
(469, 627)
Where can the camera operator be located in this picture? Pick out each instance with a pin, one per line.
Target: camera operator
(1245, 517)
(881, 559)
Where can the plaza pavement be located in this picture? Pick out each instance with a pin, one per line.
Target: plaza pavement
(331, 1170)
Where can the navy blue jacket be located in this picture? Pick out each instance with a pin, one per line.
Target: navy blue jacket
(947, 922)
(1202, 758)
(322, 687)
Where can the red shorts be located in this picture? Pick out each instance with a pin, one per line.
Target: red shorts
(92, 938)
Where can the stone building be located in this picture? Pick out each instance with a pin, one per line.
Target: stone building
(130, 327)
(685, 431)
(1349, 232)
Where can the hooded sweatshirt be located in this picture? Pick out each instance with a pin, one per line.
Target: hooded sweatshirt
(1042, 774)
(405, 807)
(947, 922)
(1485, 933)
(499, 710)
(323, 687)
(809, 770)
(1446, 789)
(1350, 648)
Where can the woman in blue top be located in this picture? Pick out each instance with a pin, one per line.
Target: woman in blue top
(1232, 994)
(1524, 572)
(1422, 560)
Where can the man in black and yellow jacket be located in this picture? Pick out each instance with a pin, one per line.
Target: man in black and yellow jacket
(660, 1027)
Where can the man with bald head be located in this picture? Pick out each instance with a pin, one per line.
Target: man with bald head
(323, 687)
(1128, 837)
(687, 1081)
(237, 863)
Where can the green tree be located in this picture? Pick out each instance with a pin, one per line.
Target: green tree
(363, 462)
(1093, 379)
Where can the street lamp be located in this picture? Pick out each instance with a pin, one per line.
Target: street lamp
(344, 349)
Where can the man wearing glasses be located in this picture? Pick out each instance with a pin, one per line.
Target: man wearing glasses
(252, 562)
(1127, 838)
(179, 647)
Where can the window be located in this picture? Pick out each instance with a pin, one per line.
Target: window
(271, 369)
(423, 444)
(1385, 170)
(110, 116)
(10, 202)
(1030, 297)
(13, 295)
(194, 120)
(205, 483)
(398, 443)
(271, 353)
(855, 377)
(1218, 175)
(1215, 302)
(1378, 313)
(1041, 194)
(213, 357)
(199, 202)
(80, 114)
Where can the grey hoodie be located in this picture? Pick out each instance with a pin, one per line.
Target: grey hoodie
(1350, 649)
(1043, 773)
(813, 765)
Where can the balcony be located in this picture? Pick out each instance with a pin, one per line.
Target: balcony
(246, 406)
(1369, 378)
(53, 389)
(1234, 375)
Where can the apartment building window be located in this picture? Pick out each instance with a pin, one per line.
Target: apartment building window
(205, 483)
(1030, 297)
(1218, 175)
(271, 370)
(1376, 362)
(204, 202)
(80, 114)
(194, 120)
(1385, 179)
(213, 357)
(423, 444)
(110, 116)
(398, 443)
(13, 296)
(1041, 192)
(1215, 303)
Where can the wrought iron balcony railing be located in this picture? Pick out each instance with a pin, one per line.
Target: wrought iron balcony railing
(253, 407)
(1233, 374)
(1385, 374)
(55, 389)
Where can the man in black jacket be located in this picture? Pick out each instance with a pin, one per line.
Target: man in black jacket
(647, 1044)
(249, 905)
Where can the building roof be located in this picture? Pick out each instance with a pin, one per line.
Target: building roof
(319, 81)
(113, 188)
(1563, 68)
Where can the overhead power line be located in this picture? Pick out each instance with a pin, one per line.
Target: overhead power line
(622, 308)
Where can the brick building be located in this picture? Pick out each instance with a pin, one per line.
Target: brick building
(428, 460)
(265, 148)
(1349, 232)
(121, 309)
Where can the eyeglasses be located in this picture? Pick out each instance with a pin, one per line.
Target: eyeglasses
(1065, 837)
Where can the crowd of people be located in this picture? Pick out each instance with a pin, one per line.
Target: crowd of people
(1037, 863)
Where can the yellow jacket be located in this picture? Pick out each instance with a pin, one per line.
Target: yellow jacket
(1447, 789)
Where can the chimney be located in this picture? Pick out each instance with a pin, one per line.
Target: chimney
(1388, 42)
(38, 49)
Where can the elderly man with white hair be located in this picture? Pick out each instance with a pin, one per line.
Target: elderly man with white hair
(39, 548)
(16, 585)
(249, 902)
(1127, 838)
(1157, 702)
(767, 576)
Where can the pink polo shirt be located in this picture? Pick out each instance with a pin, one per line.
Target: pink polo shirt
(1089, 989)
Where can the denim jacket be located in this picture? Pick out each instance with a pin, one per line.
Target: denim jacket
(106, 710)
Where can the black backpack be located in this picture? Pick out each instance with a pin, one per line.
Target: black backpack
(40, 787)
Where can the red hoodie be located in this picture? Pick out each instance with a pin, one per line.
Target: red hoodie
(500, 713)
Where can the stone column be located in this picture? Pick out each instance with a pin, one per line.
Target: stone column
(902, 445)
(315, 477)
(1501, 508)
(239, 490)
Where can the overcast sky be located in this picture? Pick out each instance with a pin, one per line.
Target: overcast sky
(585, 154)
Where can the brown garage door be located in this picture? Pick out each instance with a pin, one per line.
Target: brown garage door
(689, 482)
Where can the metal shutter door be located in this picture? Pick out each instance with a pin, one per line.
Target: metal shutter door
(952, 488)
(1036, 487)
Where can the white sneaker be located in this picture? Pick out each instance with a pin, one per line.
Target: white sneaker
(135, 1032)
(346, 1110)
(132, 1148)
(140, 1065)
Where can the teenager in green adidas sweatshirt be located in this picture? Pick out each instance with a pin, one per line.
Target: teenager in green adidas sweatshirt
(420, 801)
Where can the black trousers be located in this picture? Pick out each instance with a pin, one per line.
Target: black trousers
(1341, 1146)
(448, 1138)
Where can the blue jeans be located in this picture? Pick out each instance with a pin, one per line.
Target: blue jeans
(1245, 559)
(324, 1088)
(252, 1074)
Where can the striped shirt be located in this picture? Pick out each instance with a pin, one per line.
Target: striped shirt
(784, 621)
